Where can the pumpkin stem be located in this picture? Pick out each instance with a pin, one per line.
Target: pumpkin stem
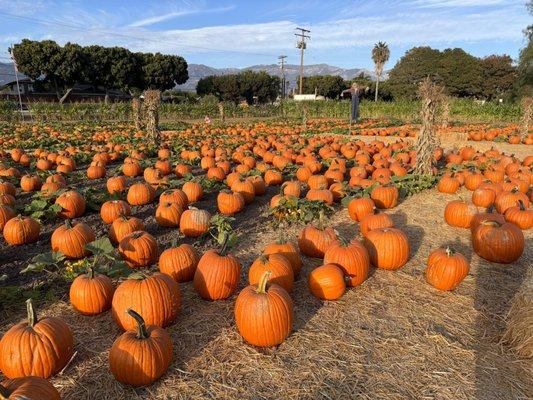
(449, 252)
(90, 272)
(491, 223)
(4, 393)
(521, 205)
(142, 332)
(174, 242)
(261, 286)
(224, 248)
(68, 224)
(32, 315)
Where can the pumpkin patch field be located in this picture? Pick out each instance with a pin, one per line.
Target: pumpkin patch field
(265, 260)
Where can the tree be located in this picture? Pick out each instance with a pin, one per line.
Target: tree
(380, 55)
(206, 85)
(329, 86)
(498, 76)
(417, 64)
(524, 82)
(460, 73)
(163, 72)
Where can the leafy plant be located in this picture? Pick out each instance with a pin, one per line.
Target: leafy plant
(299, 211)
(43, 262)
(221, 227)
(413, 183)
(43, 207)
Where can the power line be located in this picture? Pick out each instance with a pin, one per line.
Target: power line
(112, 33)
(302, 45)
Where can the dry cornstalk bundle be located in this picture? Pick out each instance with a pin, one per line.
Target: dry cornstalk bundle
(527, 114)
(519, 331)
(427, 141)
(445, 111)
(152, 99)
(221, 113)
(136, 112)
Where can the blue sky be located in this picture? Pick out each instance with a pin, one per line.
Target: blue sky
(238, 33)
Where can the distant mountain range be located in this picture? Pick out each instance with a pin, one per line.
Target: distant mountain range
(198, 71)
(292, 72)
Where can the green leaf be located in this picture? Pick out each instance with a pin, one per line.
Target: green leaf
(102, 246)
(39, 267)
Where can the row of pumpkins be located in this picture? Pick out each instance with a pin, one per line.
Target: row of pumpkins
(216, 274)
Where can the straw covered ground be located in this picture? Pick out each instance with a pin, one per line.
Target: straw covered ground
(393, 337)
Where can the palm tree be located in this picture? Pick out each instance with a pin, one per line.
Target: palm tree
(380, 55)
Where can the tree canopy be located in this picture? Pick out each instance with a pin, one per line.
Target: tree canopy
(107, 67)
(247, 85)
(462, 74)
(329, 86)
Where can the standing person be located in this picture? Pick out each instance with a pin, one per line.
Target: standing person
(355, 91)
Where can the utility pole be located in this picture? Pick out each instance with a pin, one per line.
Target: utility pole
(282, 64)
(301, 44)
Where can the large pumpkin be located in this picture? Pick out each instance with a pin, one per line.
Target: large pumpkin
(91, 293)
(217, 274)
(139, 249)
(28, 388)
(36, 348)
(168, 214)
(157, 297)
(264, 313)
(520, 216)
(70, 240)
(497, 242)
(360, 207)
(230, 203)
(352, 258)
(385, 196)
(446, 269)
(388, 248)
(140, 194)
(459, 213)
(140, 356)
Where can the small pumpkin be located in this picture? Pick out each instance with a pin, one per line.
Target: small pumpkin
(174, 196)
(314, 242)
(459, 213)
(140, 194)
(217, 274)
(36, 347)
(140, 356)
(139, 249)
(112, 209)
(358, 208)
(264, 313)
(72, 205)
(123, 226)
(193, 191)
(375, 221)
(21, 230)
(70, 240)
(280, 268)
(446, 269)
(168, 214)
(116, 184)
(289, 250)
(230, 203)
(91, 293)
(520, 216)
(179, 262)
(352, 258)
(6, 213)
(195, 222)
(385, 196)
(327, 282)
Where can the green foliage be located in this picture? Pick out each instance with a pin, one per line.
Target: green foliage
(221, 227)
(329, 86)
(410, 184)
(247, 85)
(292, 210)
(462, 74)
(43, 207)
(42, 262)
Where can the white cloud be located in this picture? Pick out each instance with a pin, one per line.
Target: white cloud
(175, 14)
(459, 3)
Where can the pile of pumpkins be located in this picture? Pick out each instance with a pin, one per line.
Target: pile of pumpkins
(145, 304)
